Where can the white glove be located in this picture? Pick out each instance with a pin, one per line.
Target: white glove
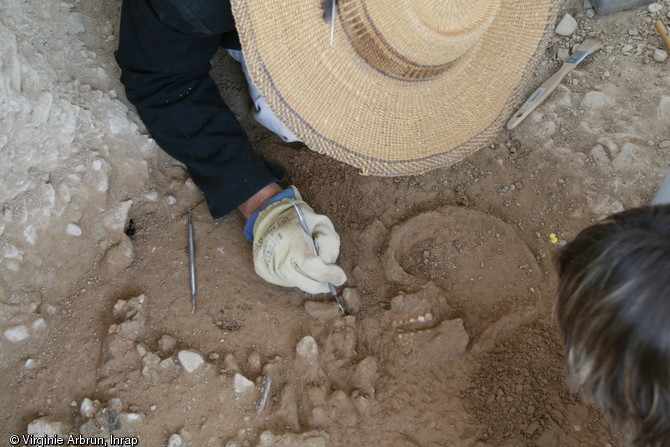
(284, 254)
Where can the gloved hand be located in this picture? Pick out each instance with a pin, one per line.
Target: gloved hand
(284, 254)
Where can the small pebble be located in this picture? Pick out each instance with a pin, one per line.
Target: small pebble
(654, 8)
(73, 230)
(352, 300)
(255, 362)
(17, 333)
(39, 324)
(175, 441)
(87, 408)
(151, 196)
(566, 26)
(151, 359)
(242, 385)
(190, 360)
(45, 427)
(167, 344)
(660, 55)
(115, 404)
(307, 348)
(230, 363)
(167, 363)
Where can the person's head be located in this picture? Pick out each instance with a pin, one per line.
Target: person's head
(613, 309)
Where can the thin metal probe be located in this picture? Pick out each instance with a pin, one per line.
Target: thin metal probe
(265, 391)
(305, 227)
(191, 260)
(332, 22)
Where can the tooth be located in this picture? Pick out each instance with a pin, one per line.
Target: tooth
(412, 320)
(428, 316)
(421, 318)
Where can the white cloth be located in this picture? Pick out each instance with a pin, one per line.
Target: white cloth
(261, 112)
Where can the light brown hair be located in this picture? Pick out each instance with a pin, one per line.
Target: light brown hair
(613, 309)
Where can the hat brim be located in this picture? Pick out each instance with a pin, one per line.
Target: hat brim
(338, 105)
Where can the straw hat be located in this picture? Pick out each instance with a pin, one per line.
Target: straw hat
(407, 86)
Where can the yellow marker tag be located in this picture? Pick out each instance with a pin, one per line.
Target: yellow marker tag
(553, 239)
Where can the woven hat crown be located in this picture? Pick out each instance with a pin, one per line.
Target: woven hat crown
(415, 39)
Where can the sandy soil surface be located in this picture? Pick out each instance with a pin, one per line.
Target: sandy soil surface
(450, 339)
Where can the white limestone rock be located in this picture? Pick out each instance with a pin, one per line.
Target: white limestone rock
(664, 109)
(88, 408)
(307, 348)
(175, 441)
(38, 325)
(30, 364)
(120, 256)
(190, 360)
(595, 100)
(352, 300)
(46, 427)
(654, 8)
(566, 26)
(660, 55)
(73, 230)
(254, 362)
(116, 218)
(17, 333)
(307, 361)
(365, 375)
(243, 386)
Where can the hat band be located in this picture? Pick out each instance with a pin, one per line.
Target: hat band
(376, 51)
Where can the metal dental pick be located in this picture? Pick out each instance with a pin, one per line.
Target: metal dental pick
(265, 391)
(191, 260)
(305, 227)
(329, 12)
